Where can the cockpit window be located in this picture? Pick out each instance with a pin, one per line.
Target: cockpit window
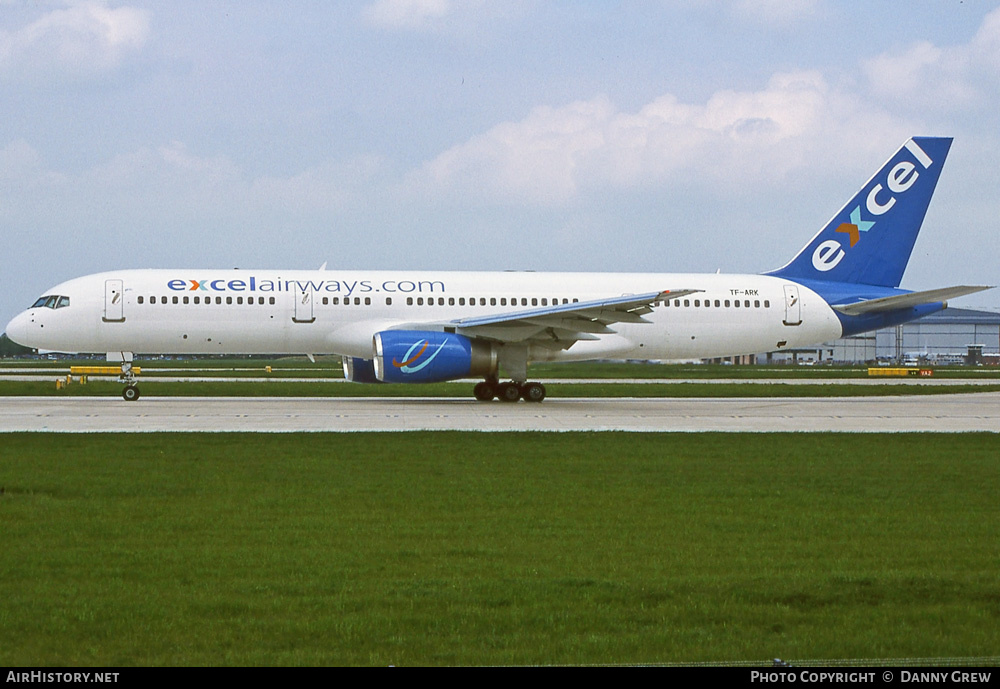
(51, 301)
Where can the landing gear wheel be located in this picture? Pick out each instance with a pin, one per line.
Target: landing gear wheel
(533, 392)
(484, 391)
(508, 392)
(130, 393)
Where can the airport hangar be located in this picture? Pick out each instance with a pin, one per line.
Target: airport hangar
(952, 336)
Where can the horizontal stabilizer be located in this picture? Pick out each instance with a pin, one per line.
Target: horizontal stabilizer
(904, 301)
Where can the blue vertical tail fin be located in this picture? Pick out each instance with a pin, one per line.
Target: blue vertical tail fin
(870, 240)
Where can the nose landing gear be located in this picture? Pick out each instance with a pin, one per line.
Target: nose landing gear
(131, 391)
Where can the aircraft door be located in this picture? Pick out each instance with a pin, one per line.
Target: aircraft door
(114, 301)
(303, 305)
(793, 309)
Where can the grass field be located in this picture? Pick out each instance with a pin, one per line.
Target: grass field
(330, 367)
(453, 548)
(243, 377)
(278, 388)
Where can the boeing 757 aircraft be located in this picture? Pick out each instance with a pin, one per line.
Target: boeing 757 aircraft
(420, 327)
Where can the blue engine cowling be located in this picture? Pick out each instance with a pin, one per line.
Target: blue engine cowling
(358, 370)
(417, 356)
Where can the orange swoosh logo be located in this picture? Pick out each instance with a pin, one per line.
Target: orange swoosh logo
(412, 358)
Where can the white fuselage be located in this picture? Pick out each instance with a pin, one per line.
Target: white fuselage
(335, 312)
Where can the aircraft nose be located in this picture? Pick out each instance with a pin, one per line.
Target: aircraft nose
(17, 329)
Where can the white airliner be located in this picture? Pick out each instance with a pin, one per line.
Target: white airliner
(418, 327)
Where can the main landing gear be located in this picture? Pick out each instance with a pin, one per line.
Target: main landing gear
(509, 392)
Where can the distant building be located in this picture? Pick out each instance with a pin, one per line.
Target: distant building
(949, 336)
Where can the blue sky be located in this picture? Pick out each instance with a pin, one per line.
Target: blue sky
(690, 135)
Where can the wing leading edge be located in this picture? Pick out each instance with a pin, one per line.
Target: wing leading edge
(560, 326)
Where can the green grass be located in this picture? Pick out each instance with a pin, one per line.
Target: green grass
(330, 367)
(280, 388)
(465, 548)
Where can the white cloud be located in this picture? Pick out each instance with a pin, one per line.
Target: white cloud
(777, 12)
(942, 78)
(81, 40)
(420, 15)
(734, 139)
(407, 14)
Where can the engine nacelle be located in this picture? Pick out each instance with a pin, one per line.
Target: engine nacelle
(358, 370)
(417, 356)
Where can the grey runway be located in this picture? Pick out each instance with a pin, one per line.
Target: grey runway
(941, 413)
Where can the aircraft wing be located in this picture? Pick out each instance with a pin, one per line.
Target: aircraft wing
(561, 325)
(903, 301)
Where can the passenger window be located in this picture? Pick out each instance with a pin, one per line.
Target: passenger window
(461, 301)
(218, 300)
(545, 302)
(197, 300)
(186, 300)
(687, 302)
(756, 303)
(270, 300)
(163, 300)
(767, 304)
(368, 301)
(451, 301)
(420, 301)
(746, 303)
(388, 301)
(493, 301)
(736, 303)
(697, 302)
(534, 301)
(503, 301)
(524, 301)
(716, 303)
(140, 299)
(239, 300)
